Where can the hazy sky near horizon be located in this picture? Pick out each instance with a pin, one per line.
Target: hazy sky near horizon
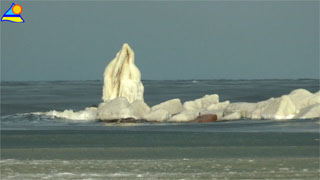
(75, 40)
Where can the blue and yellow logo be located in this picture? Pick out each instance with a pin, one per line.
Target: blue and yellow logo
(13, 14)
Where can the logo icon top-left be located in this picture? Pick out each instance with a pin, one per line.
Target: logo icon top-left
(13, 14)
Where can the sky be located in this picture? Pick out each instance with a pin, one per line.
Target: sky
(75, 40)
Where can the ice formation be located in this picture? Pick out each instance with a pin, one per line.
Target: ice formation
(299, 103)
(122, 78)
(123, 99)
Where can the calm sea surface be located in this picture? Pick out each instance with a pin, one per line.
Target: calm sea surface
(42, 147)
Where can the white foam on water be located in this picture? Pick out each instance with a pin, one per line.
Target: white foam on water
(66, 174)
(163, 169)
(89, 113)
(119, 174)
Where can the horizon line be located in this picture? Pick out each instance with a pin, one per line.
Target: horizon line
(243, 79)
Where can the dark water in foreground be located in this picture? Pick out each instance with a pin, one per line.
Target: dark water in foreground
(41, 147)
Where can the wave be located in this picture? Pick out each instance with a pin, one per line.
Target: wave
(88, 113)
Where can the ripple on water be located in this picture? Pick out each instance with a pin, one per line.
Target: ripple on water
(284, 168)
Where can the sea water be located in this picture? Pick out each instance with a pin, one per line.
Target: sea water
(37, 146)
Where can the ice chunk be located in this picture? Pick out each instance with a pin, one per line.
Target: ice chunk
(173, 106)
(232, 116)
(303, 98)
(140, 108)
(279, 108)
(118, 108)
(158, 115)
(218, 106)
(309, 112)
(185, 116)
(243, 108)
(201, 103)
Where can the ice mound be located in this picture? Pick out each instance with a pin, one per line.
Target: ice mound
(123, 99)
(122, 78)
(299, 103)
(286, 107)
